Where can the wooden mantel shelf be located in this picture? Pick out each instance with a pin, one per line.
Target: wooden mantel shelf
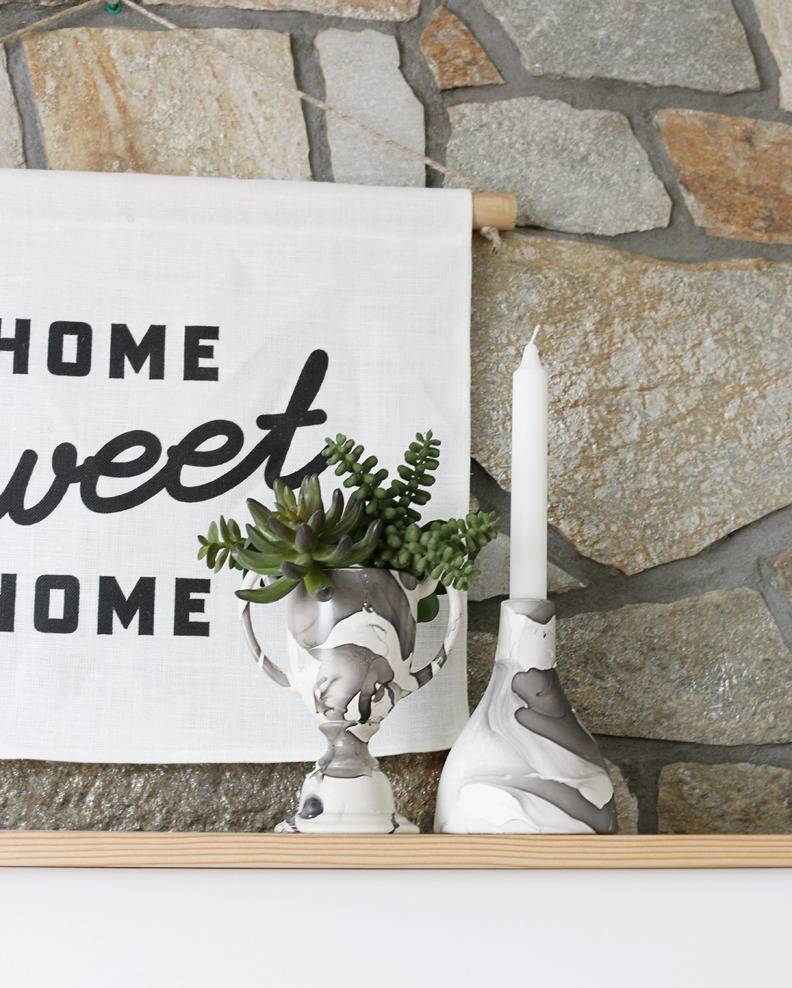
(84, 849)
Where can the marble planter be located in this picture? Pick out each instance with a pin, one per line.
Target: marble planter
(350, 659)
(524, 764)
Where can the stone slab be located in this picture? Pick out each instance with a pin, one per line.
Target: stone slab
(454, 55)
(580, 171)
(11, 151)
(626, 802)
(783, 566)
(493, 576)
(670, 404)
(240, 798)
(658, 42)
(712, 669)
(148, 101)
(735, 172)
(362, 78)
(725, 799)
(370, 10)
(775, 17)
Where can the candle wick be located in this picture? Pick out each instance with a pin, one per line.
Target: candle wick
(537, 327)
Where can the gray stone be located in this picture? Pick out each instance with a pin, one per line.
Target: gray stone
(492, 563)
(362, 78)
(559, 581)
(66, 796)
(724, 799)
(164, 102)
(493, 576)
(670, 412)
(11, 153)
(775, 16)
(659, 42)
(581, 171)
(712, 669)
(626, 802)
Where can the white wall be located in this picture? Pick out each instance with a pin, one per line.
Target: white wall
(113, 929)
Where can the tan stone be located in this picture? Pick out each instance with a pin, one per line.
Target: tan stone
(626, 803)
(712, 669)
(11, 153)
(725, 799)
(670, 404)
(775, 16)
(369, 10)
(147, 101)
(736, 173)
(454, 55)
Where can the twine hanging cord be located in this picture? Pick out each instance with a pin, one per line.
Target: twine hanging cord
(191, 39)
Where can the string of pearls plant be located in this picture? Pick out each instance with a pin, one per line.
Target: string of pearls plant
(379, 524)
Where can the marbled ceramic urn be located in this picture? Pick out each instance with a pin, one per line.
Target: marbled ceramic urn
(350, 659)
(524, 764)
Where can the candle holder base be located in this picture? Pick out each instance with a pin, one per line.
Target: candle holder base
(524, 764)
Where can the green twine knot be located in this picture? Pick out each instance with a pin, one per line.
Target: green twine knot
(114, 8)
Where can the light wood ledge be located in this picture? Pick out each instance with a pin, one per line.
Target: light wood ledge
(93, 849)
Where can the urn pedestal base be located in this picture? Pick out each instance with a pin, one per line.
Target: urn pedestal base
(361, 805)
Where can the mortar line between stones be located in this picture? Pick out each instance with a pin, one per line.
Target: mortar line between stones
(766, 67)
(417, 74)
(777, 602)
(646, 132)
(32, 141)
(666, 752)
(310, 78)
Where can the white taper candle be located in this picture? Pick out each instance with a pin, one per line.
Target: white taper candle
(528, 566)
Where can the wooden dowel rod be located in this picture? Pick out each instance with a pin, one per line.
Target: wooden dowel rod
(497, 209)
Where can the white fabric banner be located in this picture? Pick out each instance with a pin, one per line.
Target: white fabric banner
(169, 347)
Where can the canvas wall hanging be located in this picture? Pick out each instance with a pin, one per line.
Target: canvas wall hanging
(169, 346)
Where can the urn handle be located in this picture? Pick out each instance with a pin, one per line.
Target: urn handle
(456, 603)
(264, 662)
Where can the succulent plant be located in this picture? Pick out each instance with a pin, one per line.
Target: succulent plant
(443, 550)
(394, 503)
(301, 541)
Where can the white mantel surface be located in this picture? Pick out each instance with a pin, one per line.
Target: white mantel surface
(299, 929)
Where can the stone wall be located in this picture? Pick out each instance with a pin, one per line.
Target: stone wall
(650, 146)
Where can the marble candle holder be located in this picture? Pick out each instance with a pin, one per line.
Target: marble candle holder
(524, 764)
